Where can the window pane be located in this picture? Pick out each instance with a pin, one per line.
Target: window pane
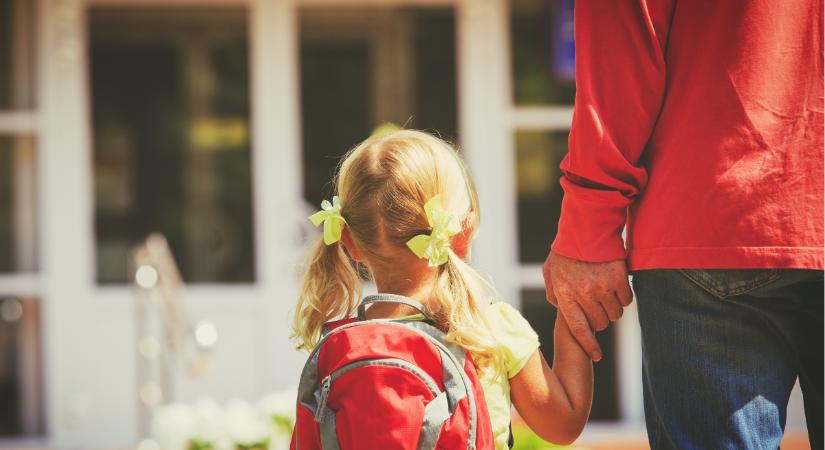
(364, 67)
(541, 317)
(18, 207)
(542, 48)
(16, 54)
(6, 221)
(171, 138)
(21, 393)
(538, 155)
(5, 53)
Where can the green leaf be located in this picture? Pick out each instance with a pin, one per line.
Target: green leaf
(262, 445)
(200, 444)
(282, 423)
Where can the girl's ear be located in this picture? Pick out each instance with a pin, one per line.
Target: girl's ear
(349, 244)
(460, 243)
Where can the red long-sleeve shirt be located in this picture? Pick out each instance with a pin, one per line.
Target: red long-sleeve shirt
(699, 124)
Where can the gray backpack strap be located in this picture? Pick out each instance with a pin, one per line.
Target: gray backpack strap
(435, 414)
(329, 436)
(391, 298)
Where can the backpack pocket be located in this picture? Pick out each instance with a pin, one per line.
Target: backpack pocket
(327, 382)
(380, 403)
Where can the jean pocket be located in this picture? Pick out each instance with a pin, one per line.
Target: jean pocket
(725, 283)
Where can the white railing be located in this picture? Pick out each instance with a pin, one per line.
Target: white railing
(168, 343)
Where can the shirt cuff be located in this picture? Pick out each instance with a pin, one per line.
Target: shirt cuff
(591, 224)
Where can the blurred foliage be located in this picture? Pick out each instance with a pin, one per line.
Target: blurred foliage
(385, 128)
(525, 439)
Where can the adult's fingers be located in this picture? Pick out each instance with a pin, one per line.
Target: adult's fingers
(550, 294)
(612, 307)
(548, 284)
(624, 293)
(579, 328)
(596, 315)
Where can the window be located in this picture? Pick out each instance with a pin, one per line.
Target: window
(542, 38)
(170, 102)
(17, 54)
(7, 263)
(538, 155)
(18, 205)
(6, 23)
(22, 407)
(22, 410)
(364, 67)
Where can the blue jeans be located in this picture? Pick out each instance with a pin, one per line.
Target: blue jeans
(721, 352)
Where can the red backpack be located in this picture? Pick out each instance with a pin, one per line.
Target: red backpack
(390, 384)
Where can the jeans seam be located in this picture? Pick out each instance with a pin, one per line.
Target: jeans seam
(773, 275)
(712, 291)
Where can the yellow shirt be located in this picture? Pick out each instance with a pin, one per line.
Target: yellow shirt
(519, 341)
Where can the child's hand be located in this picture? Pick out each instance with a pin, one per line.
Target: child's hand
(555, 402)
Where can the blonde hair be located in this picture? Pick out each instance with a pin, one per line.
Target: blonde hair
(383, 184)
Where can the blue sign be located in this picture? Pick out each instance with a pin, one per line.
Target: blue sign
(562, 48)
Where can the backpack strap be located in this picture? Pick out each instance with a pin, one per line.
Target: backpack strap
(435, 414)
(327, 430)
(391, 298)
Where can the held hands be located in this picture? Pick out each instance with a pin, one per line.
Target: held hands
(589, 295)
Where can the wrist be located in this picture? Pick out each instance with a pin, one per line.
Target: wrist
(591, 223)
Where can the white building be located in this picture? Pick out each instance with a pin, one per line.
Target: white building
(218, 123)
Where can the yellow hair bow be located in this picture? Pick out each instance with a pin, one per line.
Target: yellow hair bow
(330, 215)
(445, 225)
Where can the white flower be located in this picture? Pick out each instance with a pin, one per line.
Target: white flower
(243, 425)
(173, 425)
(279, 443)
(279, 410)
(281, 403)
(209, 424)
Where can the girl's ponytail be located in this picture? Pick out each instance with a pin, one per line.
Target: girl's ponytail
(331, 288)
(463, 295)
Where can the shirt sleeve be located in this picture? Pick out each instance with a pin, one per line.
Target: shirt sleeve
(515, 334)
(620, 81)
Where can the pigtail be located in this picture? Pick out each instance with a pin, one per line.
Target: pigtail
(463, 295)
(331, 289)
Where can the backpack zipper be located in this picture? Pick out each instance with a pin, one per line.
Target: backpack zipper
(326, 382)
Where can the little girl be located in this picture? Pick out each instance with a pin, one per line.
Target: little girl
(407, 211)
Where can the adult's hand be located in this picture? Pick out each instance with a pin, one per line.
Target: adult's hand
(589, 295)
